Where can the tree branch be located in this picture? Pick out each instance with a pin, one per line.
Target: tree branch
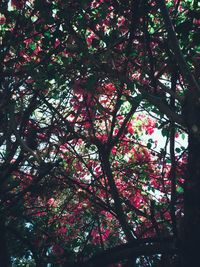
(127, 251)
(176, 48)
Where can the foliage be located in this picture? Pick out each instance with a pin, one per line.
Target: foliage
(88, 90)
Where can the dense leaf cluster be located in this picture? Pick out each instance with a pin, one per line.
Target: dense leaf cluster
(97, 99)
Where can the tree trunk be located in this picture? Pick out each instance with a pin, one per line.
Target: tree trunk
(4, 255)
(191, 238)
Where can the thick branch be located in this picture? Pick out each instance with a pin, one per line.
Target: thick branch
(174, 79)
(176, 48)
(128, 251)
(104, 155)
(163, 107)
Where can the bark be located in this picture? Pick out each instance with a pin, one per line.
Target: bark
(104, 155)
(115, 195)
(175, 46)
(128, 251)
(4, 255)
(191, 237)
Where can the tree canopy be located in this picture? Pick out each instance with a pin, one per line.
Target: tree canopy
(97, 102)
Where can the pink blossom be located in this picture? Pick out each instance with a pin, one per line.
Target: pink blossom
(37, 49)
(2, 20)
(109, 88)
(28, 42)
(177, 135)
(121, 21)
(40, 213)
(87, 125)
(57, 43)
(62, 230)
(29, 81)
(114, 151)
(130, 128)
(135, 200)
(51, 202)
(90, 38)
(197, 21)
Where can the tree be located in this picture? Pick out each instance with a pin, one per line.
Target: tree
(84, 87)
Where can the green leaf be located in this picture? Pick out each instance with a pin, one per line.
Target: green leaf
(180, 190)
(47, 34)
(149, 145)
(164, 132)
(152, 30)
(32, 46)
(178, 150)
(183, 136)
(133, 53)
(198, 49)
(37, 38)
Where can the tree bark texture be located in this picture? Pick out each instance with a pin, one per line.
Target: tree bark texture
(4, 255)
(191, 236)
